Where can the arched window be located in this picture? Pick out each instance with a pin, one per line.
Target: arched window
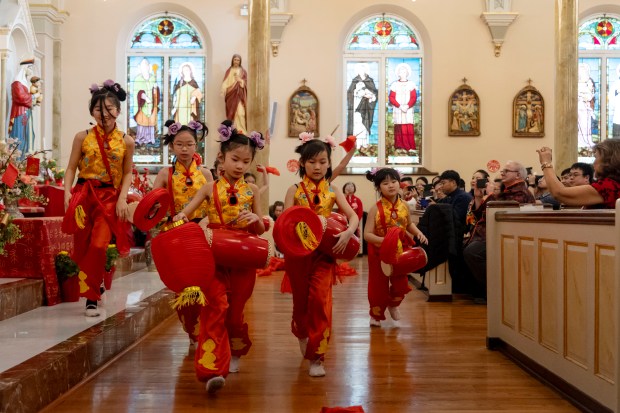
(166, 80)
(598, 83)
(383, 93)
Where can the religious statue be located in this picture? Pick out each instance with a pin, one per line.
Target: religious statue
(20, 124)
(234, 90)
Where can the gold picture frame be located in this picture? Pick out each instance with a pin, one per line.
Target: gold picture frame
(528, 113)
(464, 112)
(303, 112)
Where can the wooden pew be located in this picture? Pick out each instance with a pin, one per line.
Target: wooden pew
(553, 293)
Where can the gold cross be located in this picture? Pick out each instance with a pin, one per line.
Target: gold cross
(529, 82)
(303, 82)
(464, 80)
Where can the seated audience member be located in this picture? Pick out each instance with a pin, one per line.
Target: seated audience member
(437, 191)
(349, 190)
(602, 193)
(533, 186)
(581, 174)
(419, 186)
(475, 253)
(409, 193)
(479, 174)
(546, 197)
(459, 200)
(455, 196)
(565, 177)
(498, 186)
(276, 210)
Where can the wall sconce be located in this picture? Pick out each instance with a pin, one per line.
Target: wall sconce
(498, 17)
(243, 10)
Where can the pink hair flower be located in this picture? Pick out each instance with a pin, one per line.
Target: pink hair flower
(108, 83)
(306, 136)
(94, 88)
(330, 141)
(225, 132)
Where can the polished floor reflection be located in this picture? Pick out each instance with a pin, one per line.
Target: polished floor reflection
(436, 361)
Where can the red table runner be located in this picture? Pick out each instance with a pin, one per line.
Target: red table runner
(33, 255)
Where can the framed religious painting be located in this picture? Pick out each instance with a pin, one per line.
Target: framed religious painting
(464, 112)
(528, 113)
(303, 112)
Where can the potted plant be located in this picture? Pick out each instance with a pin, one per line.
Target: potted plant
(110, 265)
(59, 175)
(66, 271)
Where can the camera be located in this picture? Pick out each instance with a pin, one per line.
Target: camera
(481, 183)
(427, 191)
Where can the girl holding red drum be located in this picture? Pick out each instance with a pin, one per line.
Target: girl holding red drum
(232, 204)
(390, 211)
(312, 275)
(97, 204)
(183, 180)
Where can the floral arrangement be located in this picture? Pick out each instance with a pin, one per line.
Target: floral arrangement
(140, 183)
(23, 184)
(50, 170)
(111, 255)
(65, 266)
(9, 232)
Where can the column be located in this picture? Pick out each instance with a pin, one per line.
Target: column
(258, 79)
(565, 120)
(3, 97)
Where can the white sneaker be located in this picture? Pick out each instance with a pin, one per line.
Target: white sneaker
(394, 313)
(374, 322)
(303, 345)
(214, 384)
(317, 369)
(91, 309)
(234, 365)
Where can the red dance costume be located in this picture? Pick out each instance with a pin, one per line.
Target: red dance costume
(239, 282)
(386, 291)
(312, 277)
(182, 193)
(99, 181)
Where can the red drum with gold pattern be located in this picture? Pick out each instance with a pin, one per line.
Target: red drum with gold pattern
(238, 249)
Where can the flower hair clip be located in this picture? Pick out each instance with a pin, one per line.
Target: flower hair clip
(374, 170)
(225, 132)
(174, 128)
(330, 141)
(94, 88)
(258, 139)
(306, 136)
(195, 125)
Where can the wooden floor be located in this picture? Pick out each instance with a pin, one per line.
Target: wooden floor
(435, 362)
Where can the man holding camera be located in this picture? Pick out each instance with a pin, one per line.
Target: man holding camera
(475, 253)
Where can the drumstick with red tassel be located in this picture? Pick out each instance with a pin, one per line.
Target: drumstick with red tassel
(269, 169)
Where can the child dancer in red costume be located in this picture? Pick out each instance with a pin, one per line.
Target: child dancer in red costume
(183, 180)
(98, 201)
(390, 211)
(312, 276)
(232, 204)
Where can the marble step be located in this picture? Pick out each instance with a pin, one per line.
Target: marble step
(67, 347)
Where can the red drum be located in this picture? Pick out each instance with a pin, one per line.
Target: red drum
(151, 209)
(238, 249)
(184, 261)
(410, 260)
(394, 242)
(298, 231)
(336, 223)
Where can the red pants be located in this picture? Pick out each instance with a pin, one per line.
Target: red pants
(91, 242)
(189, 317)
(311, 280)
(383, 291)
(239, 287)
(213, 350)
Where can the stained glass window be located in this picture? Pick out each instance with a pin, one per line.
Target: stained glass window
(165, 32)
(383, 94)
(163, 83)
(383, 33)
(598, 87)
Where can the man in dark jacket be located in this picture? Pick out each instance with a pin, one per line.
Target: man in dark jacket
(475, 253)
(459, 200)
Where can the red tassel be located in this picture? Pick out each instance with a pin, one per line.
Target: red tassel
(349, 143)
